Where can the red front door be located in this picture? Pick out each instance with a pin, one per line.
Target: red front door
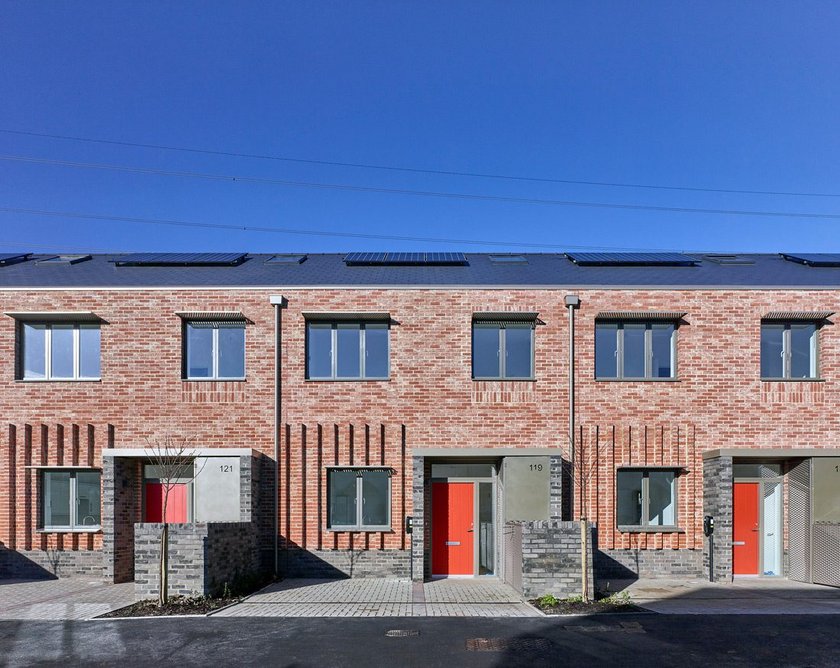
(176, 505)
(745, 529)
(452, 528)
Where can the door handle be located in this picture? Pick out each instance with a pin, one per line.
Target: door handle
(470, 530)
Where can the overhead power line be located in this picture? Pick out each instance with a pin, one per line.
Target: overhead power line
(317, 233)
(417, 170)
(420, 193)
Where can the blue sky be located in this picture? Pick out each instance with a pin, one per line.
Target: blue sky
(720, 95)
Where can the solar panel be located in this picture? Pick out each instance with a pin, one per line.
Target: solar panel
(446, 258)
(364, 258)
(403, 259)
(815, 259)
(632, 259)
(180, 260)
(286, 259)
(13, 258)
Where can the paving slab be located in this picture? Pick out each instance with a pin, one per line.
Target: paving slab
(383, 597)
(62, 599)
(743, 596)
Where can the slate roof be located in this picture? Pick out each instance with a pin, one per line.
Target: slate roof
(541, 270)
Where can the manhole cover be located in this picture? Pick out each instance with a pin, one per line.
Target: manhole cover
(401, 633)
(504, 644)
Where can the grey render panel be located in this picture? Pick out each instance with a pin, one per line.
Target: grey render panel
(527, 488)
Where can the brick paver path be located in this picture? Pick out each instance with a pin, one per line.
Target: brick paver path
(65, 598)
(383, 597)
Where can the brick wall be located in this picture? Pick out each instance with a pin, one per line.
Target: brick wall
(717, 502)
(430, 400)
(202, 557)
(551, 559)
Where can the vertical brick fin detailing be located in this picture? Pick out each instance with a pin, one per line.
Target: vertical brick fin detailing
(367, 463)
(287, 494)
(403, 490)
(321, 490)
(91, 449)
(336, 459)
(303, 485)
(611, 479)
(382, 463)
(9, 536)
(27, 489)
(59, 444)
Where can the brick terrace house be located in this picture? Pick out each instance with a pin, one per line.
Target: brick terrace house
(332, 400)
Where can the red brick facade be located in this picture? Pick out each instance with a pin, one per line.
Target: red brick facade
(430, 401)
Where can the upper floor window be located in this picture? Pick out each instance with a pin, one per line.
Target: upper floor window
(635, 349)
(59, 351)
(344, 350)
(71, 500)
(503, 349)
(214, 350)
(789, 350)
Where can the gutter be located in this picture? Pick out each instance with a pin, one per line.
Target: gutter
(278, 302)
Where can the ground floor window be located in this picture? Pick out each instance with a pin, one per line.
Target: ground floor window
(71, 500)
(646, 498)
(359, 499)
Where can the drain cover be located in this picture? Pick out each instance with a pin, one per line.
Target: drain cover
(401, 633)
(503, 644)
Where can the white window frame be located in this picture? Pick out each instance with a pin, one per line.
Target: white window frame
(74, 526)
(48, 329)
(501, 352)
(358, 526)
(787, 352)
(334, 326)
(619, 349)
(214, 354)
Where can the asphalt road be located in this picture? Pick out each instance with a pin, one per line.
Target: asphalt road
(615, 640)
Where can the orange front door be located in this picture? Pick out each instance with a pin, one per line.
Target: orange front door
(745, 529)
(176, 504)
(453, 511)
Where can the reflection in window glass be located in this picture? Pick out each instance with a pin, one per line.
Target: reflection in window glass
(342, 498)
(661, 503)
(56, 499)
(376, 350)
(348, 349)
(89, 345)
(802, 350)
(231, 351)
(199, 351)
(34, 351)
(319, 350)
(375, 487)
(485, 351)
(61, 352)
(606, 350)
(629, 498)
(88, 503)
(661, 350)
(519, 352)
(772, 348)
(634, 350)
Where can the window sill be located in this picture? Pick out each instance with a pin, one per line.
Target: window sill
(793, 380)
(638, 380)
(68, 530)
(58, 380)
(359, 530)
(347, 380)
(214, 380)
(650, 529)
